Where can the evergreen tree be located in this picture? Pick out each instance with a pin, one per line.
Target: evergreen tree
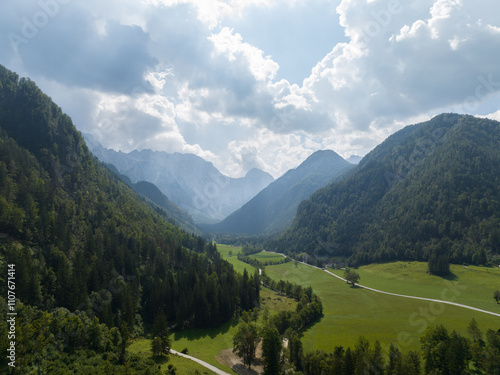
(271, 350)
(157, 347)
(491, 363)
(395, 360)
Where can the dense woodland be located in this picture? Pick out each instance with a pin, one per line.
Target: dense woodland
(429, 190)
(86, 246)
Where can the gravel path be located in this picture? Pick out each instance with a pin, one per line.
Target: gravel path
(406, 296)
(220, 372)
(203, 363)
(403, 295)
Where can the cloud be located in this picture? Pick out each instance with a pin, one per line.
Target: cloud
(181, 75)
(231, 44)
(400, 63)
(62, 42)
(211, 12)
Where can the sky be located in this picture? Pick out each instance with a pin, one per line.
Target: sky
(255, 83)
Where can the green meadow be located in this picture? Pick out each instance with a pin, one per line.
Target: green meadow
(265, 256)
(205, 344)
(474, 285)
(184, 366)
(275, 303)
(238, 265)
(352, 312)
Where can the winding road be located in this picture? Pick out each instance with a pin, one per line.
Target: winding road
(220, 372)
(203, 363)
(406, 296)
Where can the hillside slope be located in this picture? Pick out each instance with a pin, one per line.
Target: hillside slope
(273, 209)
(429, 188)
(93, 262)
(160, 201)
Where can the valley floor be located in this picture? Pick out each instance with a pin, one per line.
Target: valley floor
(352, 312)
(376, 311)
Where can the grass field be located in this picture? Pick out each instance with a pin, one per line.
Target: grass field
(238, 265)
(352, 312)
(265, 256)
(275, 303)
(184, 366)
(475, 285)
(205, 344)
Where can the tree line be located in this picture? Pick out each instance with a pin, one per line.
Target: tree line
(441, 353)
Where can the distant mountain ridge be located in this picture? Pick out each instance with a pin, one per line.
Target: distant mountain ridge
(153, 195)
(273, 209)
(429, 189)
(189, 181)
(354, 159)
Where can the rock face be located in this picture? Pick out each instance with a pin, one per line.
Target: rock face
(190, 182)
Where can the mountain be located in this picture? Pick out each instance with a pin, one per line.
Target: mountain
(156, 198)
(190, 182)
(354, 159)
(93, 263)
(431, 188)
(273, 209)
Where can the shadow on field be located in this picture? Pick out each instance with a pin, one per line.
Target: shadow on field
(450, 277)
(242, 370)
(196, 334)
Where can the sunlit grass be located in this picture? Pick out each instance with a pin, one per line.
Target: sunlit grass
(352, 312)
(184, 366)
(265, 256)
(238, 265)
(474, 285)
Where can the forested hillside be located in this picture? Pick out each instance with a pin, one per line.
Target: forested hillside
(430, 189)
(88, 252)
